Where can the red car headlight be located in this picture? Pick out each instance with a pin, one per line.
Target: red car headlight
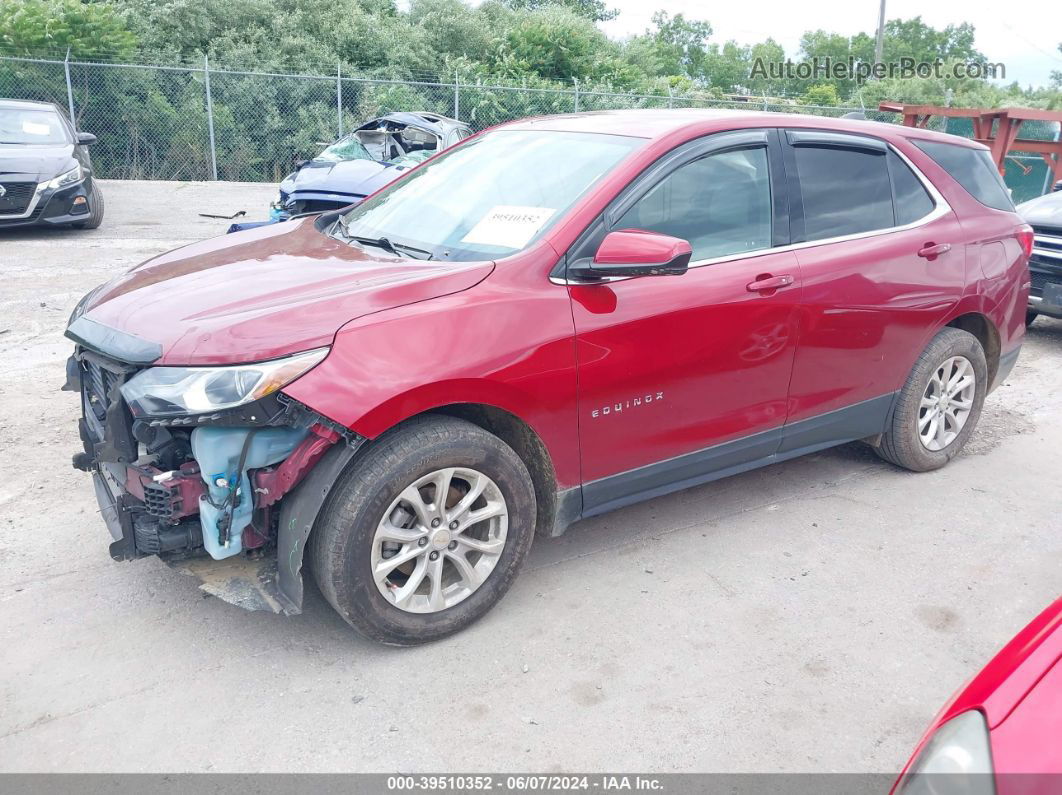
(957, 759)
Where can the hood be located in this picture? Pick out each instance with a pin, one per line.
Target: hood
(348, 177)
(264, 293)
(1044, 211)
(999, 688)
(39, 163)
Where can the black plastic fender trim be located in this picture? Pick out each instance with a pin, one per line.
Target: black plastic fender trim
(298, 512)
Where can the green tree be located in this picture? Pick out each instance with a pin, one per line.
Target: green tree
(49, 27)
(681, 44)
(553, 43)
(594, 10)
(823, 95)
(767, 52)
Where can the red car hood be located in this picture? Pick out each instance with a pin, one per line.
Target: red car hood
(264, 293)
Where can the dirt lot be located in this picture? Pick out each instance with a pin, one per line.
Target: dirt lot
(809, 616)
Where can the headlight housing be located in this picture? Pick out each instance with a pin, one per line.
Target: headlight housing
(181, 391)
(67, 178)
(79, 310)
(957, 759)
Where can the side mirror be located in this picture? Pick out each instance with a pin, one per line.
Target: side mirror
(86, 138)
(300, 162)
(636, 252)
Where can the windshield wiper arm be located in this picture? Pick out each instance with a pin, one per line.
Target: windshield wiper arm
(377, 242)
(387, 245)
(404, 247)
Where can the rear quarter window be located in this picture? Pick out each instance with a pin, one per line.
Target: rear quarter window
(973, 169)
(910, 197)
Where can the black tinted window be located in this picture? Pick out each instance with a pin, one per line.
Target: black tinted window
(912, 199)
(973, 169)
(844, 191)
(721, 204)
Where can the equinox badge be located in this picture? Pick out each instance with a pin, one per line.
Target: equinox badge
(618, 407)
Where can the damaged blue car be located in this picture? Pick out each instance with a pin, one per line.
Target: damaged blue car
(360, 163)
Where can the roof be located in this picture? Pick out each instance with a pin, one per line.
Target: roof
(429, 121)
(656, 123)
(26, 103)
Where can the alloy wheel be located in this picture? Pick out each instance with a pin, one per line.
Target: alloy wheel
(439, 540)
(946, 403)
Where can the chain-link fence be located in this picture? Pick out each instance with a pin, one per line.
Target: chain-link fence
(199, 123)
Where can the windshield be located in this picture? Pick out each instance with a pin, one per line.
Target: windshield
(31, 126)
(489, 197)
(348, 148)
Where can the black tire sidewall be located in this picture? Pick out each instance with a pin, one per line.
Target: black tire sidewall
(906, 443)
(371, 486)
(95, 217)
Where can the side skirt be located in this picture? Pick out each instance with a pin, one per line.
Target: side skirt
(848, 424)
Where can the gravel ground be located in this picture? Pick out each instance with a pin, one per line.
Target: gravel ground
(811, 616)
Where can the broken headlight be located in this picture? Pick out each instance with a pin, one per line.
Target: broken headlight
(177, 391)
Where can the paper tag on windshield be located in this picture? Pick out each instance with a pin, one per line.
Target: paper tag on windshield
(35, 128)
(508, 226)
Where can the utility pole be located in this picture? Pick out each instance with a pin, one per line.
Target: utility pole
(210, 119)
(880, 42)
(339, 96)
(69, 89)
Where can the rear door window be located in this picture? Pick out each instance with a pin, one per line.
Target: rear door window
(973, 169)
(845, 191)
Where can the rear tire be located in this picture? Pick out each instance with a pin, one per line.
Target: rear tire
(929, 426)
(95, 216)
(1030, 317)
(445, 582)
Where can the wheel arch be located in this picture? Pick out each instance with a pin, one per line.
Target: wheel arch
(979, 325)
(555, 508)
(524, 440)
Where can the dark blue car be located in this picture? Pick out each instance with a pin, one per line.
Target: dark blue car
(365, 160)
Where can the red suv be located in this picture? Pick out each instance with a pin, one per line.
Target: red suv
(553, 319)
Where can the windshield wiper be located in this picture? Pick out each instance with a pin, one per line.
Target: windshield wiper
(404, 248)
(397, 249)
(377, 242)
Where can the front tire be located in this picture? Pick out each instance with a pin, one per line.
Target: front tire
(95, 216)
(939, 405)
(402, 567)
(1030, 317)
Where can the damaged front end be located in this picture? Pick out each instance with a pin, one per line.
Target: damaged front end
(205, 467)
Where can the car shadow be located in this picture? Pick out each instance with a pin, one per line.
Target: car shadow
(1046, 329)
(693, 510)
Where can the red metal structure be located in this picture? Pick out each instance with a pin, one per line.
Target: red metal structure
(996, 128)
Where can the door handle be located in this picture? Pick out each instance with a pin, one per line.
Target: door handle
(933, 250)
(767, 282)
